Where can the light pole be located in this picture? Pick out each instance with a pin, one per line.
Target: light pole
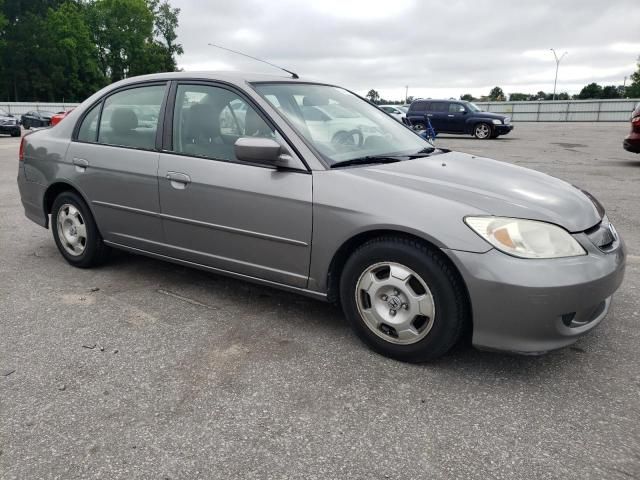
(555, 55)
(406, 93)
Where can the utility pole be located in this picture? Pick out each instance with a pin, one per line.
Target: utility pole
(557, 66)
(406, 92)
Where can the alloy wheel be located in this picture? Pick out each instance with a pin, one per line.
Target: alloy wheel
(72, 230)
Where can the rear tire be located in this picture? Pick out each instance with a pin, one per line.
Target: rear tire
(75, 232)
(418, 126)
(16, 133)
(407, 273)
(26, 125)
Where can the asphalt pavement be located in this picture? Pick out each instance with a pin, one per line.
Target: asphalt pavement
(146, 370)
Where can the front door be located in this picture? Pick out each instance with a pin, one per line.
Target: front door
(115, 164)
(247, 218)
(456, 117)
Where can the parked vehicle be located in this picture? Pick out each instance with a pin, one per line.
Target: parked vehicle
(418, 245)
(632, 141)
(395, 111)
(57, 118)
(456, 116)
(36, 118)
(9, 124)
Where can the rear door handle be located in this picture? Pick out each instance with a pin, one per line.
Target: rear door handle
(80, 163)
(429, 114)
(178, 180)
(450, 115)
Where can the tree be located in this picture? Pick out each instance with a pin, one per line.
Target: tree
(593, 90)
(519, 97)
(373, 96)
(165, 25)
(497, 95)
(633, 90)
(610, 91)
(410, 99)
(467, 97)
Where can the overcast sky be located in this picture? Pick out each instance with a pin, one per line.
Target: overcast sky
(438, 48)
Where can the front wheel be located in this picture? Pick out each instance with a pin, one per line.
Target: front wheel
(403, 299)
(75, 232)
(482, 131)
(26, 125)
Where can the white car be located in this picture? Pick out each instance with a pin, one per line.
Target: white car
(396, 111)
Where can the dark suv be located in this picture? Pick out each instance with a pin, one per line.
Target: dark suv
(455, 116)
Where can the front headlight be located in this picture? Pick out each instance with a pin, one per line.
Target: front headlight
(496, 121)
(526, 238)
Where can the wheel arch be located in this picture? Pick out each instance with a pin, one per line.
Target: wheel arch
(342, 254)
(55, 189)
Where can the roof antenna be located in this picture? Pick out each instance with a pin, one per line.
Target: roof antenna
(293, 74)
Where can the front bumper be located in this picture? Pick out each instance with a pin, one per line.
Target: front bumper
(534, 306)
(11, 129)
(632, 143)
(503, 129)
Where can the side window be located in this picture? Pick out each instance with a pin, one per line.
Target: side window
(89, 127)
(130, 118)
(456, 108)
(208, 120)
(439, 107)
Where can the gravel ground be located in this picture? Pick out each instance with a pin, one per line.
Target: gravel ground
(143, 369)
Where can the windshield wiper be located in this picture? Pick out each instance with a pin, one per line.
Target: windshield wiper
(369, 159)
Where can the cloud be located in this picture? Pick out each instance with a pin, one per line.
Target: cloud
(437, 48)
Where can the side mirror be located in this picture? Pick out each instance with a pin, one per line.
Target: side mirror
(257, 149)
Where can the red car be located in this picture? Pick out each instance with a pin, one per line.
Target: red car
(632, 142)
(57, 118)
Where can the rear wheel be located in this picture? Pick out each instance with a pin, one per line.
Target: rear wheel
(418, 126)
(16, 133)
(403, 299)
(26, 124)
(75, 232)
(482, 131)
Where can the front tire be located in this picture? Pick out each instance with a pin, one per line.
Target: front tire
(75, 232)
(482, 131)
(403, 299)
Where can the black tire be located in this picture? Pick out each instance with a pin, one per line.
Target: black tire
(95, 251)
(16, 133)
(482, 131)
(418, 126)
(26, 125)
(447, 289)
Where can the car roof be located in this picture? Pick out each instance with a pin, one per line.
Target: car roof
(235, 77)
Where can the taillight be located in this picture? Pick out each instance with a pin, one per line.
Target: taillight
(635, 124)
(21, 151)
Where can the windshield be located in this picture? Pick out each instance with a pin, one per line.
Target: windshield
(473, 107)
(340, 125)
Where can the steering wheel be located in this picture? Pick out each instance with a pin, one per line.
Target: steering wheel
(344, 137)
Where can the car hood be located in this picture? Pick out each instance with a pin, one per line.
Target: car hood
(494, 187)
(497, 116)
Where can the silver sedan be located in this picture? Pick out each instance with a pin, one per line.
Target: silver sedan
(421, 246)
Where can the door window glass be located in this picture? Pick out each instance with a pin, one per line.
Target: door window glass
(130, 118)
(208, 120)
(455, 108)
(439, 107)
(89, 127)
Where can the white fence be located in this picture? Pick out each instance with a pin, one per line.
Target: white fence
(565, 110)
(18, 108)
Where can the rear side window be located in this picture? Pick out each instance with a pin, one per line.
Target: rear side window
(439, 107)
(89, 127)
(418, 106)
(130, 118)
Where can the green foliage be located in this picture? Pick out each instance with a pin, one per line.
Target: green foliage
(373, 95)
(519, 97)
(467, 97)
(633, 90)
(593, 90)
(497, 95)
(52, 50)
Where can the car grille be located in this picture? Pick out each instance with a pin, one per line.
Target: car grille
(603, 235)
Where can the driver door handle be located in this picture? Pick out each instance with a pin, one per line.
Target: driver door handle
(450, 115)
(178, 180)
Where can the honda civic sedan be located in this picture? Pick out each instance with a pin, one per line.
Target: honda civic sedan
(420, 246)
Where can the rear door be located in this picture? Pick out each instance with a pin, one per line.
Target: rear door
(437, 114)
(246, 218)
(115, 160)
(417, 112)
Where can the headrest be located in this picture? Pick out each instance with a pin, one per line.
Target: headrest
(254, 125)
(123, 120)
(202, 122)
